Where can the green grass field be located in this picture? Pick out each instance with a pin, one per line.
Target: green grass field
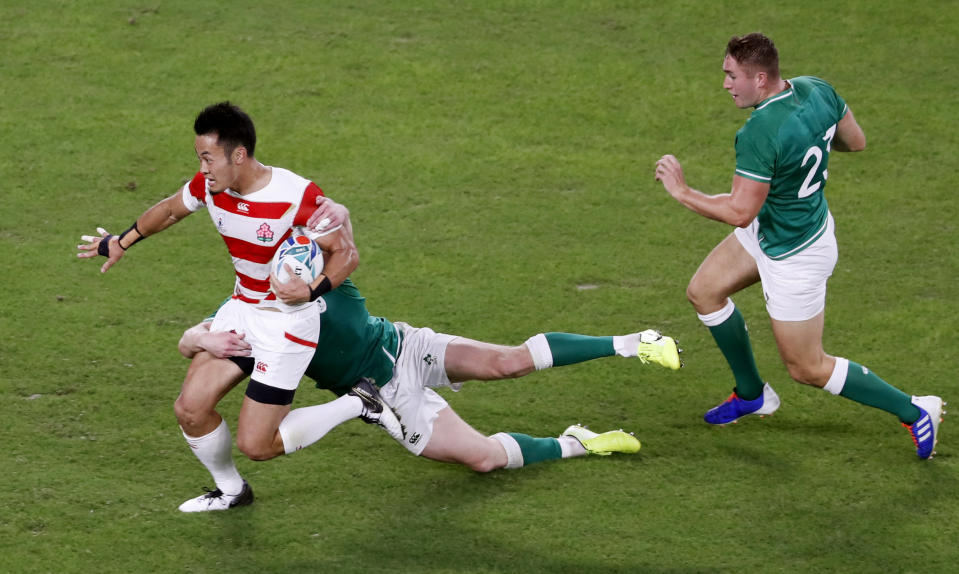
(497, 157)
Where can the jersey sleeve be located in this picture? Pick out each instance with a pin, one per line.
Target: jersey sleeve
(832, 101)
(308, 204)
(755, 153)
(841, 107)
(194, 192)
(307, 207)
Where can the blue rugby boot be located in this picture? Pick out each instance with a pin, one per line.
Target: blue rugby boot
(734, 408)
(925, 431)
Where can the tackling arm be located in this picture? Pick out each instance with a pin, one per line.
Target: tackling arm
(340, 260)
(220, 344)
(328, 214)
(340, 253)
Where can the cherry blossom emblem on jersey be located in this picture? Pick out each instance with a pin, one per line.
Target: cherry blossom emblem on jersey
(264, 233)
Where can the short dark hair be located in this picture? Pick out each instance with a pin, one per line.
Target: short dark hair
(232, 126)
(754, 52)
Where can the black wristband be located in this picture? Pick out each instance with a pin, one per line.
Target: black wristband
(324, 287)
(133, 227)
(103, 248)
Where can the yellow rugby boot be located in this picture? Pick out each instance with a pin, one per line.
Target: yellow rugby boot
(654, 347)
(603, 444)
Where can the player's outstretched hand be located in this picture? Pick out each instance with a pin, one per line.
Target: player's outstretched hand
(328, 215)
(294, 291)
(670, 173)
(110, 249)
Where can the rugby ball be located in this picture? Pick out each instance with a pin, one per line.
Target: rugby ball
(302, 255)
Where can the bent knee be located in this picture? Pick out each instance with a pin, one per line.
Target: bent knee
(491, 457)
(255, 449)
(807, 375)
(692, 294)
(191, 413)
(485, 465)
(701, 298)
(484, 456)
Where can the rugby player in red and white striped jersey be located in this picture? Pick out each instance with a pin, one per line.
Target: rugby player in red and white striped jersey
(253, 225)
(254, 207)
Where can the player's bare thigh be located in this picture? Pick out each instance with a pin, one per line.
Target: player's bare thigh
(468, 360)
(454, 440)
(800, 346)
(208, 380)
(726, 270)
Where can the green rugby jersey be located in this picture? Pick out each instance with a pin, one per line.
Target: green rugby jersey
(786, 143)
(352, 343)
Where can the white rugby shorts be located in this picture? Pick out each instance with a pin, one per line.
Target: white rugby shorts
(283, 343)
(795, 287)
(420, 368)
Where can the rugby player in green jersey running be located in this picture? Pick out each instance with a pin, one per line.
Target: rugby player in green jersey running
(784, 239)
(400, 366)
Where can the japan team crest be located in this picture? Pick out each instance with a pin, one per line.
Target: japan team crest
(264, 233)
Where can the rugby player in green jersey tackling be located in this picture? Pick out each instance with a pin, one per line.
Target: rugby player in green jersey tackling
(784, 239)
(399, 366)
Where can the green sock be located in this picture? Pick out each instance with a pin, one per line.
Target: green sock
(863, 386)
(537, 449)
(568, 348)
(733, 340)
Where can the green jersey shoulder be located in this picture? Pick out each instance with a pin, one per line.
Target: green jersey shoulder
(786, 143)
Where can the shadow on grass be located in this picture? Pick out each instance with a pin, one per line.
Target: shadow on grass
(465, 522)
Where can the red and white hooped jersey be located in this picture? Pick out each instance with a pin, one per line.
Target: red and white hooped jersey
(254, 225)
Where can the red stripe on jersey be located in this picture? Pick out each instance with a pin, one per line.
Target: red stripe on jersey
(300, 341)
(254, 252)
(198, 187)
(245, 299)
(308, 204)
(254, 284)
(256, 210)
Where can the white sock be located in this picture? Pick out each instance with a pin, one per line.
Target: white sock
(514, 455)
(215, 452)
(837, 380)
(539, 349)
(626, 345)
(303, 427)
(718, 317)
(570, 446)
